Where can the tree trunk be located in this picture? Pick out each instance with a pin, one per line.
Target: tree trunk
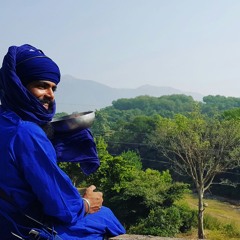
(201, 234)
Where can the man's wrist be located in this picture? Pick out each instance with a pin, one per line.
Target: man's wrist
(87, 206)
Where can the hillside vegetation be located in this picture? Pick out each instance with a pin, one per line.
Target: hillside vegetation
(155, 149)
(219, 213)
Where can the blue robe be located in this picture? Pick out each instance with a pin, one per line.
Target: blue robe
(30, 175)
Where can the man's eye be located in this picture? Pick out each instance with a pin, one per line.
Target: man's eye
(41, 87)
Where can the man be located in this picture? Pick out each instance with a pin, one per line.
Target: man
(29, 174)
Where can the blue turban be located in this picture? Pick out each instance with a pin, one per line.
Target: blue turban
(31, 64)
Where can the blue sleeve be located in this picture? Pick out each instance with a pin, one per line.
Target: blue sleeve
(36, 158)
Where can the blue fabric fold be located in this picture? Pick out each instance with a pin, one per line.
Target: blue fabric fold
(78, 147)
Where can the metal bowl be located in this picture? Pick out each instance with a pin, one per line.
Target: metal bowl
(75, 121)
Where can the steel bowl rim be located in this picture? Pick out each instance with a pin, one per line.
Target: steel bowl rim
(73, 116)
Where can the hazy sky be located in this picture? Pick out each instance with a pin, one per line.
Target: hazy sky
(191, 45)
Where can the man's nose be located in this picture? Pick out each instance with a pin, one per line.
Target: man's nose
(50, 93)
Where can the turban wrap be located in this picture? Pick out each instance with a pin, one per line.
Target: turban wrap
(31, 64)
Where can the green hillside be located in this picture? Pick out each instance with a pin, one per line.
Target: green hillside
(221, 216)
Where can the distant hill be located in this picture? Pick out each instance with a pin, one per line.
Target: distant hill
(77, 95)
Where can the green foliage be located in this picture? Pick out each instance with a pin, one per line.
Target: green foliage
(188, 217)
(198, 146)
(154, 188)
(222, 103)
(115, 171)
(229, 229)
(164, 105)
(232, 114)
(165, 222)
(132, 135)
(160, 222)
(58, 115)
(101, 126)
(132, 157)
(135, 129)
(126, 129)
(130, 191)
(147, 190)
(74, 171)
(211, 222)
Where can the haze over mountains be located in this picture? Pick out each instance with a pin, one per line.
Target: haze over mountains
(77, 95)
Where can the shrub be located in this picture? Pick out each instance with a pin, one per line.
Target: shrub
(211, 223)
(188, 217)
(160, 222)
(229, 229)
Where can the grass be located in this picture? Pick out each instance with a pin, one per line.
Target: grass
(218, 211)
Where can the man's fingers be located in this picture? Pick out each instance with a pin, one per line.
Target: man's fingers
(91, 188)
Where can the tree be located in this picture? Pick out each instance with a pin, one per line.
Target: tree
(131, 135)
(131, 192)
(62, 114)
(146, 191)
(233, 113)
(114, 171)
(100, 126)
(200, 148)
(74, 171)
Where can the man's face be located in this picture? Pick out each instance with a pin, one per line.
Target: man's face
(44, 91)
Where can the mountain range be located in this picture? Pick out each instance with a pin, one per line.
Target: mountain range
(77, 95)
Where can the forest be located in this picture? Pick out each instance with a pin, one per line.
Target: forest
(154, 150)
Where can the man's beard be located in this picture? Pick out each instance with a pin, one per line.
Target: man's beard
(49, 102)
(48, 129)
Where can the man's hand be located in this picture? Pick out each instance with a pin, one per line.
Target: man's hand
(95, 199)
